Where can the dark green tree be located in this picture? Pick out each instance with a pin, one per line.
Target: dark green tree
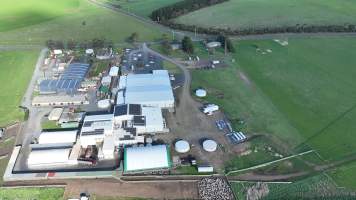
(187, 45)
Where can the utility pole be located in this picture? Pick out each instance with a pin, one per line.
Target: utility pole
(173, 34)
(225, 45)
(195, 32)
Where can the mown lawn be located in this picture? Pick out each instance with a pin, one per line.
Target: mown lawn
(31, 193)
(86, 22)
(244, 14)
(16, 68)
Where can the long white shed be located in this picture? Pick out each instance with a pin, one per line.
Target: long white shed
(146, 158)
(57, 137)
(45, 158)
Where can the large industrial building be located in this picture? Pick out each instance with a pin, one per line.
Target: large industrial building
(59, 100)
(146, 89)
(50, 158)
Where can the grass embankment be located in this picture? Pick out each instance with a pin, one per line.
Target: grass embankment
(16, 68)
(32, 193)
(244, 14)
(83, 21)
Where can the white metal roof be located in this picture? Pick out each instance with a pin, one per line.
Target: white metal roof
(148, 89)
(55, 114)
(48, 157)
(57, 137)
(153, 116)
(114, 71)
(145, 158)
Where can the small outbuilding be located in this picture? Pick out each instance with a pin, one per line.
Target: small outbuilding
(114, 71)
(55, 114)
(104, 104)
(89, 51)
(213, 44)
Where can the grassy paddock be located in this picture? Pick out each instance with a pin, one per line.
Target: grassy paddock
(16, 68)
(88, 21)
(141, 7)
(311, 82)
(17, 13)
(253, 13)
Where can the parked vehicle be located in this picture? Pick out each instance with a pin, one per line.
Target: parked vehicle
(210, 108)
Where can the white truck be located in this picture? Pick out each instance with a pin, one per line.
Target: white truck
(210, 108)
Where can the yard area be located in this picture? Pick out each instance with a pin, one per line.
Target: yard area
(243, 14)
(81, 22)
(16, 68)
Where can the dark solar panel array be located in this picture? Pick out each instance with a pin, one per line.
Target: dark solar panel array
(68, 82)
(120, 110)
(135, 109)
(139, 120)
(95, 132)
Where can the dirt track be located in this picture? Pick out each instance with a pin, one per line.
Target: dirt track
(114, 188)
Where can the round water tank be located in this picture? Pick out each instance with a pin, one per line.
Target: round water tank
(182, 146)
(200, 93)
(210, 145)
(104, 104)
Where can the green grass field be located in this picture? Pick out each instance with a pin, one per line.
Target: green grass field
(32, 193)
(17, 13)
(273, 13)
(141, 7)
(16, 68)
(84, 22)
(303, 93)
(345, 175)
(315, 187)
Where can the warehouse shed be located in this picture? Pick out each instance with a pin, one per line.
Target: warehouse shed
(147, 89)
(50, 158)
(146, 158)
(57, 137)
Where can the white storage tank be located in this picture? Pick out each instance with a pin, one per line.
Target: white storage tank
(182, 146)
(200, 93)
(210, 145)
(104, 104)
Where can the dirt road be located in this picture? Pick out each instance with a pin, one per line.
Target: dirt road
(114, 188)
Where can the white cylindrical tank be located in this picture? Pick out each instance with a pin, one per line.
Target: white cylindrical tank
(182, 146)
(200, 93)
(213, 44)
(210, 145)
(104, 104)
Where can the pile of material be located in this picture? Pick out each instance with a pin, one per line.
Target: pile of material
(214, 188)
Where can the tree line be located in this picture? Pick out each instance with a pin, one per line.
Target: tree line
(181, 8)
(304, 28)
(72, 44)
